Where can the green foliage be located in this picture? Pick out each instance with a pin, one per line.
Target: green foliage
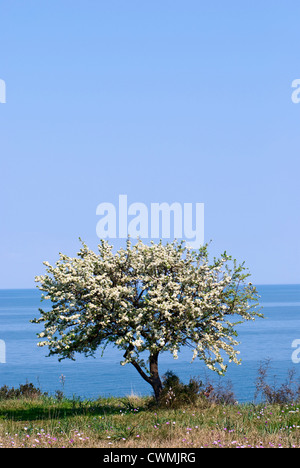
(175, 393)
(27, 390)
(272, 392)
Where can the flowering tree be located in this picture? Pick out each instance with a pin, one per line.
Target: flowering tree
(146, 299)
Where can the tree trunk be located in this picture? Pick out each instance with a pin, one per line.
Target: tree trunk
(153, 379)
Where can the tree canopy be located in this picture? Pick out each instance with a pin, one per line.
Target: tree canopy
(146, 299)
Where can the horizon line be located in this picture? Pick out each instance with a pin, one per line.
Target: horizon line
(256, 284)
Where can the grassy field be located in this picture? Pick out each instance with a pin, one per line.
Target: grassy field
(129, 422)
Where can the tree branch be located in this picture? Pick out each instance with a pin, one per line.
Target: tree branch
(137, 366)
(141, 372)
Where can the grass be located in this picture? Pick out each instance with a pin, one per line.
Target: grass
(211, 419)
(45, 421)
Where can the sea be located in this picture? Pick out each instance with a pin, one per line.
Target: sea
(275, 339)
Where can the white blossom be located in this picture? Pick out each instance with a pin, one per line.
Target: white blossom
(145, 298)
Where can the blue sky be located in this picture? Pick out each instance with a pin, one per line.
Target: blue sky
(163, 101)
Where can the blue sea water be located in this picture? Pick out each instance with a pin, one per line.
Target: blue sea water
(269, 338)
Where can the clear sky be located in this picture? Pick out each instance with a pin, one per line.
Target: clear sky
(162, 100)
